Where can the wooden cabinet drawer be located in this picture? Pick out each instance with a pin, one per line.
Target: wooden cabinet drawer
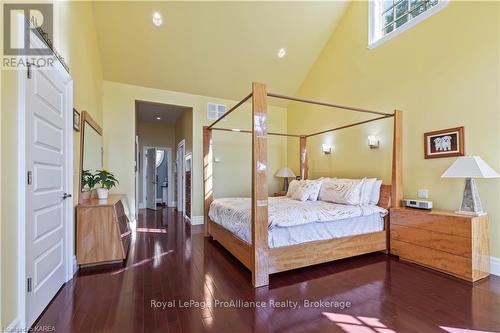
(451, 224)
(457, 245)
(442, 261)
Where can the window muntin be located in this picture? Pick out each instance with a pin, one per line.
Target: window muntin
(388, 18)
(395, 13)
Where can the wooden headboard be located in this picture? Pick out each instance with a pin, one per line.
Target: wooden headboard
(385, 196)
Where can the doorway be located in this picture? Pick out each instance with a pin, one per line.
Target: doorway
(158, 191)
(158, 128)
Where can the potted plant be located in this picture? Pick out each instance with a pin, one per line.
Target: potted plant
(107, 181)
(88, 183)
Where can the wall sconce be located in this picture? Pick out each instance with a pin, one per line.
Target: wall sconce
(326, 149)
(373, 142)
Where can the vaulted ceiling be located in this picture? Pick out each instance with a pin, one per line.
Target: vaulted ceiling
(213, 48)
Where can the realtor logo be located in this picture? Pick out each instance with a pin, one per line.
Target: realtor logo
(40, 15)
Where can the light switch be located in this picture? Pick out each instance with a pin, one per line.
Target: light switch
(423, 193)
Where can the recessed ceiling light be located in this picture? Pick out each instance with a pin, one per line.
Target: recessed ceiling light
(158, 118)
(157, 19)
(281, 52)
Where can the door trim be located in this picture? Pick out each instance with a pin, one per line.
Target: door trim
(181, 206)
(21, 182)
(144, 174)
(188, 156)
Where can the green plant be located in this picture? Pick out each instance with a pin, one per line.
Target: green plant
(106, 179)
(88, 180)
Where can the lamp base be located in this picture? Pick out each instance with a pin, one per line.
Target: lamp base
(461, 212)
(285, 185)
(471, 203)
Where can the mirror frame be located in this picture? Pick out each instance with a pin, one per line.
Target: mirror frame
(85, 117)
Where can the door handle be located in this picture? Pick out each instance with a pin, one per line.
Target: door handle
(66, 195)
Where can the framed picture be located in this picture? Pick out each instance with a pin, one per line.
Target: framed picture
(444, 143)
(76, 120)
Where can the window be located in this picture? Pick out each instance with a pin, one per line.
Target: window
(160, 155)
(388, 18)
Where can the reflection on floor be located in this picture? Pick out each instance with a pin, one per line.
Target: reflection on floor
(180, 282)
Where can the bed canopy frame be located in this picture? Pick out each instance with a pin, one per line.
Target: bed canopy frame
(258, 257)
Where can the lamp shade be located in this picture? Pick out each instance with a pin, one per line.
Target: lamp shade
(470, 167)
(285, 172)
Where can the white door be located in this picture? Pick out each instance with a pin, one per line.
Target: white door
(47, 202)
(151, 178)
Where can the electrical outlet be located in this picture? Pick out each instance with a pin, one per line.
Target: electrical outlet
(423, 193)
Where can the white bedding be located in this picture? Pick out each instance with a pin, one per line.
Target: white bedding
(293, 222)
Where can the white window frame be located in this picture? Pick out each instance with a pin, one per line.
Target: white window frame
(375, 37)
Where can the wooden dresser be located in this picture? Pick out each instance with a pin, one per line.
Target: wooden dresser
(102, 231)
(454, 244)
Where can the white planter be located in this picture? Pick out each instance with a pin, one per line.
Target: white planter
(102, 193)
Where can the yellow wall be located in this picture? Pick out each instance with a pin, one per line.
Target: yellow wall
(118, 103)
(184, 130)
(154, 135)
(75, 38)
(442, 73)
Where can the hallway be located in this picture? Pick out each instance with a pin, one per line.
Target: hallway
(179, 265)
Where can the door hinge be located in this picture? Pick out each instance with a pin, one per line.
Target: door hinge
(29, 70)
(28, 285)
(30, 177)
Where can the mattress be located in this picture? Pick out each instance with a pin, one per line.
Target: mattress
(294, 222)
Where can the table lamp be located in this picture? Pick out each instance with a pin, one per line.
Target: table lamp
(470, 167)
(286, 173)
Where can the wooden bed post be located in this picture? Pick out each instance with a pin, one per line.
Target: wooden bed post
(397, 160)
(260, 270)
(207, 176)
(304, 169)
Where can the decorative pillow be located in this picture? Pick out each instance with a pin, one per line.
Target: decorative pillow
(366, 191)
(375, 196)
(342, 191)
(315, 188)
(302, 193)
(292, 187)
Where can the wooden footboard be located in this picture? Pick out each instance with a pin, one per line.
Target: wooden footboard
(311, 253)
(301, 255)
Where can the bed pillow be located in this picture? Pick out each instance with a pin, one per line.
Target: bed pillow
(315, 188)
(342, 191)
(375, 196)
(366, 190)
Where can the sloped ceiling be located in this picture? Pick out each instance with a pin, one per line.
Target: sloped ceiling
(213, 48)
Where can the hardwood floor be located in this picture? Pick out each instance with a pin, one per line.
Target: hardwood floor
(180, 265)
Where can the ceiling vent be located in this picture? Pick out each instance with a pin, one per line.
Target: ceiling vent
(215, 111)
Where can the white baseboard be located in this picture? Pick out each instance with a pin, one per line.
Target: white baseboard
(75, 265)
(15, 326)
(142, 205)
(197, 220)
(495, 266)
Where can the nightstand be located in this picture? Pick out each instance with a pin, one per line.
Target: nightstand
(280, 194)
(454, 244)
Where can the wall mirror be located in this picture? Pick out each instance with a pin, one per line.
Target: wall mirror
(91, 151)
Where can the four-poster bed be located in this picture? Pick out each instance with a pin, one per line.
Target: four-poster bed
(258, 256)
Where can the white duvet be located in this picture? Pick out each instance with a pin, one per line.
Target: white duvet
(234, 213)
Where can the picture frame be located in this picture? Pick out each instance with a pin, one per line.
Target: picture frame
(76, 120)
(444, 143)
